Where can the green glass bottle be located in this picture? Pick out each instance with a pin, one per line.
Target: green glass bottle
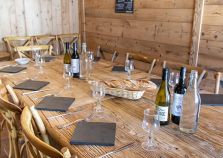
(163, 99)
(67, 55)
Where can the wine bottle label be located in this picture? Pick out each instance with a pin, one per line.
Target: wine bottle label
(162, 113)
(177, 104)
(75, 66)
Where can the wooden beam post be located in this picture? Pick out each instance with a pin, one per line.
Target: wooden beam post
(196, 32)
(82, 24)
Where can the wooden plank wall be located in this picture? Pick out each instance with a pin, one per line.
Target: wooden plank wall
(211, 48)
(158, 27)
(34, 17)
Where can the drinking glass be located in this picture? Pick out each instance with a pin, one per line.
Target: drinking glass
(41, 62)
(151, 125)
(99, 114)
(129, 67)
(67, 74)
(36, 57)
(173, 80)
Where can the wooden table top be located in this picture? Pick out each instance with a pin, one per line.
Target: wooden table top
(206, 142)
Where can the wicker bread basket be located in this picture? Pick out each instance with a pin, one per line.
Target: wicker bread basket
(129, 94)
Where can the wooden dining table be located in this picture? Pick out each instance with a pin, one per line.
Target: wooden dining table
(207, 142)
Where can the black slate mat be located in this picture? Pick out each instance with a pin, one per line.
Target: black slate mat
(96, 59)
(12, 69)
(94, 133)
(31, 85)
(118, 68)
(212, 99)
(49, 58)
(51, 103)
(156, 81)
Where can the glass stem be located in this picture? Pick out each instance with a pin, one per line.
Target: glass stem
(98, 106)
(129, 74)
(150, 140)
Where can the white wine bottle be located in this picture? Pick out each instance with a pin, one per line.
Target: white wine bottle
(163, 99)
(67, 56)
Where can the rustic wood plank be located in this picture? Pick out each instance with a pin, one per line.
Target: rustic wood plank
(196, 32)
(172, 15)
(56, 12)
(164, 4)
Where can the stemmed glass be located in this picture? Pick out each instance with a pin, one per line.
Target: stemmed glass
(129, 67)
(151, 125)
(98, 92)
(67, 74)
(173, 80)
(99, 114)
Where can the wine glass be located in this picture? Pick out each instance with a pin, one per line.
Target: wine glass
(129, 67)
(67, 74)
(99, 114)
(151, 125)
(173, 80)
(41, 62)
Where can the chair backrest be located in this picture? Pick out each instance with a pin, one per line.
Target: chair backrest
(218, 80)
(15, 41)
(103, 53)
(143, 58)
(36, 146)
(176, 66)
(71, 38)
(11, 113)
(25, 51)
(48, 40)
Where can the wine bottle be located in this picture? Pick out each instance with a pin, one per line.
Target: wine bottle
(163, 99)
(179, 91)
(75, 62)
(67, 56)
(84, 62)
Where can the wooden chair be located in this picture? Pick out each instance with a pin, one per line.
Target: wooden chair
(102, 51)
(143, 58)
(176, 66)
(219, 79)
(11, 114)
(71, 38)
(15, 41)
(25, 51)
(48, 40)
(35, 146)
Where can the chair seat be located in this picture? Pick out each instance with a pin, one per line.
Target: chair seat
(4, 56)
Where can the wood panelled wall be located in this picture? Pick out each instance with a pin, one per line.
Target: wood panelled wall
(211, 48)
(159, 27)
(35, 17)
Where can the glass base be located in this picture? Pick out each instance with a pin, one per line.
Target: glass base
(101, 115)
(149, 147)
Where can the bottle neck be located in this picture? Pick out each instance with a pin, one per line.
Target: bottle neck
(193, 83)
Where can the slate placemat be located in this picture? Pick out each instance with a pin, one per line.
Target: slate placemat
(212, 99)
(118, 68)
(31, 85)
(12, 69)
(51, 103)
(156, 81)
(94, 133)
(96, 59)
(49, 58)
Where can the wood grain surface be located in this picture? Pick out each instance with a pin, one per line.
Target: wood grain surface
(206, 143)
